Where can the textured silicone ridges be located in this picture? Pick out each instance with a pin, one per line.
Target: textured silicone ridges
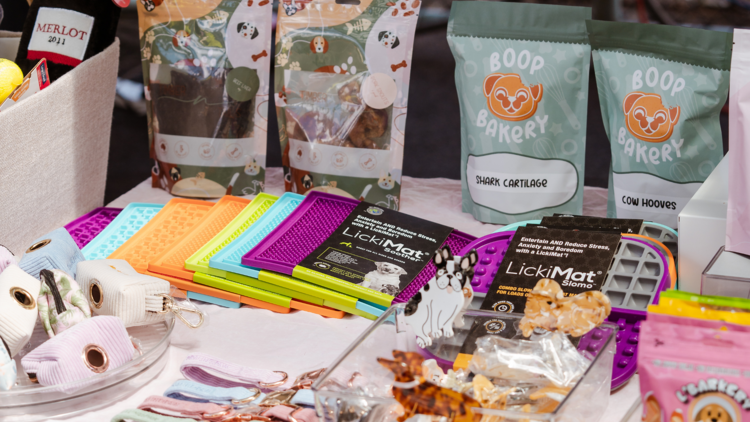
(125, 225)
(171, 261)
(229, 259)
(85, 228)
(316, 218)
(305, 229)
(231, 234)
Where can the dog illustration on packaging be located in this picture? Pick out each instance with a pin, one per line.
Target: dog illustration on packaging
(385, 278)
(648, 119)
(438, 303)
(509, 98)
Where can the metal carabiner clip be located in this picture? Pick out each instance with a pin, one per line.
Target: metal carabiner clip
(171, 306)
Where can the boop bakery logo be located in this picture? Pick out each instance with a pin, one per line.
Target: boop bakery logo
(509, 98)
(647, 118)
(60, 35)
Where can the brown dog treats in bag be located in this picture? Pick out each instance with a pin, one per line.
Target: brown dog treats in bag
(342, 82)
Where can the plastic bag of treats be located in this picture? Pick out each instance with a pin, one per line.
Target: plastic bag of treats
(661, 89)
(206, 72)
(342, 82)
(522, 78)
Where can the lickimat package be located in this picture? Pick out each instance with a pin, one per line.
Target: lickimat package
(341, 83)
(522, 74)
(206, 71)
(661, 89)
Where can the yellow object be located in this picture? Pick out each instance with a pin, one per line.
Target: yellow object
(677, 307)
(10, 77)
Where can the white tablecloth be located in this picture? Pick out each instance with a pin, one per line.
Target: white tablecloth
(301, 341)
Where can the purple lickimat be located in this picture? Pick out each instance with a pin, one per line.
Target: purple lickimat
(311, 223)
(85, 228)
(492, 249)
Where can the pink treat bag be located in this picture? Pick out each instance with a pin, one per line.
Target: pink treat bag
(692, 373)
(738, 210)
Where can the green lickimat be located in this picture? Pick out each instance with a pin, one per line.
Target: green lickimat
(522, 73)
(661, 89)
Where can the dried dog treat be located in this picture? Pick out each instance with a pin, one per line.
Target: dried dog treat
(206, 77)
(549, 309)
(583, 312)
(541, 307)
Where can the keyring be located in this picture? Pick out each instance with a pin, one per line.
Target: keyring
(276, 383)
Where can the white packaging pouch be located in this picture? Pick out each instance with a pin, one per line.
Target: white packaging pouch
(738, 209)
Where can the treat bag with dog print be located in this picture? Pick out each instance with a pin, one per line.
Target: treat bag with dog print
(661, 89)
(693, 370)
(522, 75)
(738, 207)
(206, 70)
(342, 82)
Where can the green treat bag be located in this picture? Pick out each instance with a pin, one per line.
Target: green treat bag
(661, 89)
(522, 74)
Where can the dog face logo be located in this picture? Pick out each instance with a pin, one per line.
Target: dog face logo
(319, 45)
(247, 30)
(386, 268)
(307, 181)
(252, 168)
(647, 118)
(386, 182)
(181, 39)
(291, 8)
(150, 5)
(509, 99)
(174, 174)
(713, 413)
(388, 39)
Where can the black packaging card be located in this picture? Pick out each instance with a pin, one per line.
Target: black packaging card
(577, 260)
(378, 249)
(582, 222)
(495, 326)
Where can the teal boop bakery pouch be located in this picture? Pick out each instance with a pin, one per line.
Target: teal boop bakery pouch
(522, 74)
(661, 90)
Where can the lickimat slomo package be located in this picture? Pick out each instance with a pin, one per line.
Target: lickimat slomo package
(522, 74)
(206, 70)
(661, 89)
(341, 87)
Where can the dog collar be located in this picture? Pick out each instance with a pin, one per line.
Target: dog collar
(215, 372)
(193, 391)
(184, 409)
(137, 415)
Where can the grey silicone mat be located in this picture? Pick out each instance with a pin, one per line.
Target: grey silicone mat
(636, 276)
(663, 234)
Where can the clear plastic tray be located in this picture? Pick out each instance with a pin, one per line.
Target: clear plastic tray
(335, 401)
(28, 401)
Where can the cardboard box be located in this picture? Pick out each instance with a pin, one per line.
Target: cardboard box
(55, 148)
(702, 228)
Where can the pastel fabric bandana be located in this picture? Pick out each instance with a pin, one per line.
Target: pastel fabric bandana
(61, 302)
